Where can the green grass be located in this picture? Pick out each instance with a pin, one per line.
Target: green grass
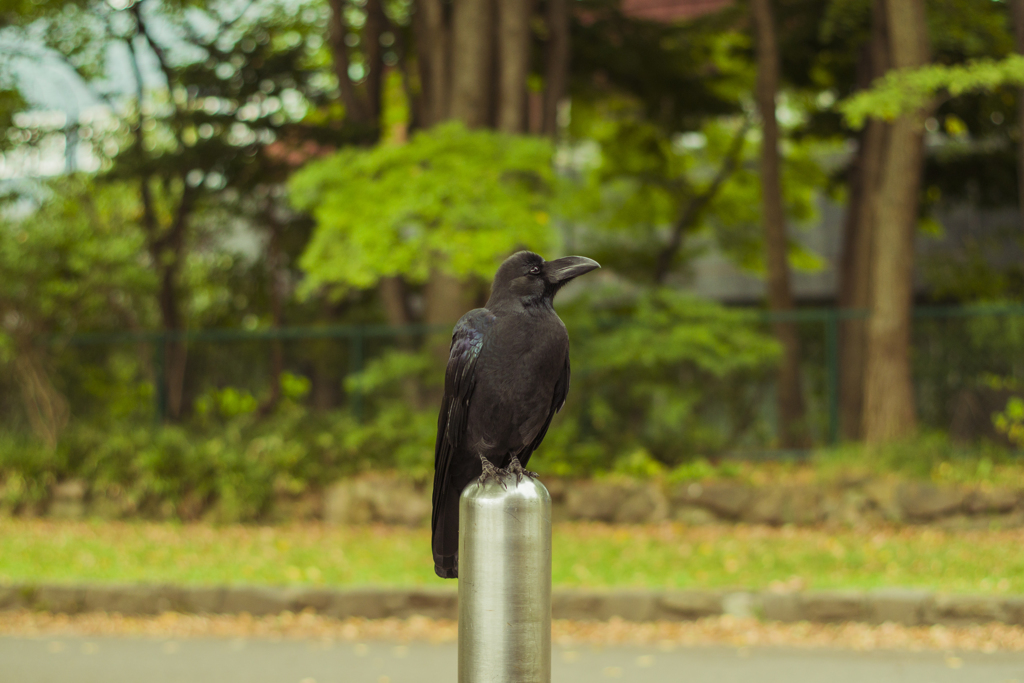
(585, 555)
(930, 456)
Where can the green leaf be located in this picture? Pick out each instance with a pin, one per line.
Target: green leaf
(901, 92)
(451, 199)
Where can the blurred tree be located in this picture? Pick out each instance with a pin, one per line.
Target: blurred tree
(362, 104)
(432, 40)
(651, 205)
(513, 63)
(658, 143)
(792, 427)
(440, 212)
(469, 61)
(556, 65)
(714, 71)
(452, 199)
(229, 87)
(70, 265)
(474, 62)
(858, 231)
(668, 374)
(961, 32)
(889, 405)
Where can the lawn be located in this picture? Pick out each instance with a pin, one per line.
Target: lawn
(585, 555)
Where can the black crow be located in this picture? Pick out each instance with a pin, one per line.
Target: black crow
(508, 374)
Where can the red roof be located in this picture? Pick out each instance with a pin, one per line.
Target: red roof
(671, 10)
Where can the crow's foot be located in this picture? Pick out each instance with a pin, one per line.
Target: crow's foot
(516, 469)
(491, 472)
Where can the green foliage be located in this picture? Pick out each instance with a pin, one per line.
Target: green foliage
(1011, 421)
(401, 389)
(659, 378)
(228, 402)
(662, 382)
(680, 73)
(639, 465)
(701, 469)
(901, 92)
(658, 328)
(956, 359)
(11, 102)
(637, 179)
(75, 259)
(452, 199)
(976, 272)
(29, 469)
(965, 29)
(395, 104)
(294, 387)
(224, 468)
(640, 180)
(932, 455)
(71, 264)
(228, 462)
(226, 89)
(668, 373)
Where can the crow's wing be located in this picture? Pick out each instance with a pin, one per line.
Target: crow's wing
(459, 382)
(557, 401)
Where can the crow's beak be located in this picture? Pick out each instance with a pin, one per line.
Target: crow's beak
(564, 269)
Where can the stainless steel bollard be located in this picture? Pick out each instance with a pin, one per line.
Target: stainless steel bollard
(505, 583)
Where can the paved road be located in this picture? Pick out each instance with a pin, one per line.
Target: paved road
(144, 660)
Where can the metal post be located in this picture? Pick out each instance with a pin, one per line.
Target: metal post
(505, 583)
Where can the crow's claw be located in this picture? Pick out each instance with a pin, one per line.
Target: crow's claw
(491, 472)
(516, 469)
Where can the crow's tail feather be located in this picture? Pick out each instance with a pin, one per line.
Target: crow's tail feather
(447, 567)
(445, 541)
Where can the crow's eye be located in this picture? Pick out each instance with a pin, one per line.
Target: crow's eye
(535, 270)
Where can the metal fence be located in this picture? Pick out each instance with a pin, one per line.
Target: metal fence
(355, 340)
(954, 348)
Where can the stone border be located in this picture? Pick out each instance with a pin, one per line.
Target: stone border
(389, 498)
(901, 606)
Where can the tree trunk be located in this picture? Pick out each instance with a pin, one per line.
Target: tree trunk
(1017, 7)
(327, 369)
(166, 248)
(355, 108)
(376, 23)
(392, 296)
(472, 54)
(792, 427)
(513, 63)
(447, 300)
(166, 245)
(889, 411)
(855, 275)
(276, 294)
(472, 29)
(855, 266)
(556, 70)
(175, 348)
(432, 39)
